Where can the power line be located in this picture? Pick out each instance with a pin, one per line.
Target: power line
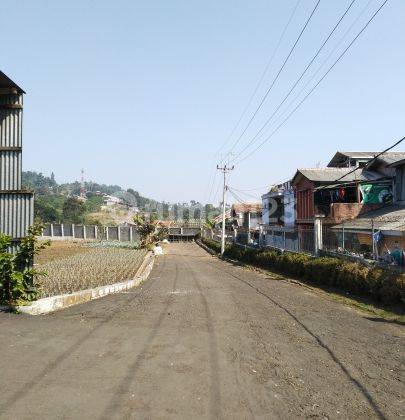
(277, 75)
(280, 40)
(368, 163)
(300, 77)
(269, 63)
(315, 86)
(324, 61)
(246, 194)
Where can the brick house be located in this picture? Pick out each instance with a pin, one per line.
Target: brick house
(318, 193)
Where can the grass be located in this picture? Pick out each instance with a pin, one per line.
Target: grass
(71, 267)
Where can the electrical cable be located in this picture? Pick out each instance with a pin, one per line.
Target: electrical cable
(300, 77)
(315, 86)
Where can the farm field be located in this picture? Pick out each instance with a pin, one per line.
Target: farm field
(74, 266)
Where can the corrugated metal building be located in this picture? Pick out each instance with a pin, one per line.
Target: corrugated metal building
(16, 204)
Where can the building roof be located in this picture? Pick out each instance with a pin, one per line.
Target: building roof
(247, 207)
(388, 157)
(391, 158)
(389, 218)
(333, 174)
(7, 83)
(218, 219)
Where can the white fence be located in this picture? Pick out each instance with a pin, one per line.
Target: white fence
(90, 232)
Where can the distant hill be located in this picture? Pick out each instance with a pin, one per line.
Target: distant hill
(59, 202)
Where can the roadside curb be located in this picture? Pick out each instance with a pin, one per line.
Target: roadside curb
(206, 248)
(254, 268)
(55, 303)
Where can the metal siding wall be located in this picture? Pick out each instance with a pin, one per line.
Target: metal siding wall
(16, 207)
(11, 122)
(16, 213)
(10, 170)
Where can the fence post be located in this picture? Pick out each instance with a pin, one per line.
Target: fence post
(106, 233)
(62, 230)
(73, 230)
(372, 237)
(343, 236)
(131, 235)
(261, 236)
(318, 234)
(119, 233)
(235, 235)
(84, 232)
(284, 240)
(95, 232)
(51, 230)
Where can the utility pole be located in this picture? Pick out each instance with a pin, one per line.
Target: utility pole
(224, 170)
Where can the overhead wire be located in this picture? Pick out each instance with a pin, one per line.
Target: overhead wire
(266, 69)
(314, 87)
(280, 40)
(368, 164)
(301, 76)
(312, 77)
(277, 75)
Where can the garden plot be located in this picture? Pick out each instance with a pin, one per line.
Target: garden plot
(89, 267)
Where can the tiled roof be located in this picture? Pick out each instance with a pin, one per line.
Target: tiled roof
(247, 207)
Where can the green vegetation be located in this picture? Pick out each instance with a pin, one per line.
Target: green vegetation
(56, 203)
(17, 277)
(381, 285)
(149, 231)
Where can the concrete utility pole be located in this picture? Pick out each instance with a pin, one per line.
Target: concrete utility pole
(224, 170)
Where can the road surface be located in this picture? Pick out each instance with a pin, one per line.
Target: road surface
(202, 339)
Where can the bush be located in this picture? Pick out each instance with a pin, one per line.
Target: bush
(350, 277)
(17, 277)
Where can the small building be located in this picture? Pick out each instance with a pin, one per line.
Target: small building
(16, 204)
(339, 193)
(110, 200)
(278, 206)
(248, 215)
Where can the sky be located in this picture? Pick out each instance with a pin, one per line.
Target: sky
(143, 93)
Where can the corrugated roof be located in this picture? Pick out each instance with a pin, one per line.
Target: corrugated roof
(391, 157)
(385, 219)
(388, 157)
(333, 174)
(6, 82)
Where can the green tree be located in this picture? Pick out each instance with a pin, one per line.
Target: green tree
(45, 212)
(73, 210)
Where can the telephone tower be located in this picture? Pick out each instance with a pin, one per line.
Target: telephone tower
(82, 186)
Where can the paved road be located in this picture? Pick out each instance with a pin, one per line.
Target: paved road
(202, 339)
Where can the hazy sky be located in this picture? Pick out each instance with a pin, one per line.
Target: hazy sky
(142, 93)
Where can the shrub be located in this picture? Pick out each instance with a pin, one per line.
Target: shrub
(17, 277)
(350, 277)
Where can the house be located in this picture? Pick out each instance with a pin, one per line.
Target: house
(248, 215)
(339, 193)
(110, 200)
(278, 206)
(351, 159)
(399, 181)
(385, 224)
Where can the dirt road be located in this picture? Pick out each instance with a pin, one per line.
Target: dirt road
(202, 339)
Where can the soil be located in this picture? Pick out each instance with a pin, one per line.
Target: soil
(202, 338)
